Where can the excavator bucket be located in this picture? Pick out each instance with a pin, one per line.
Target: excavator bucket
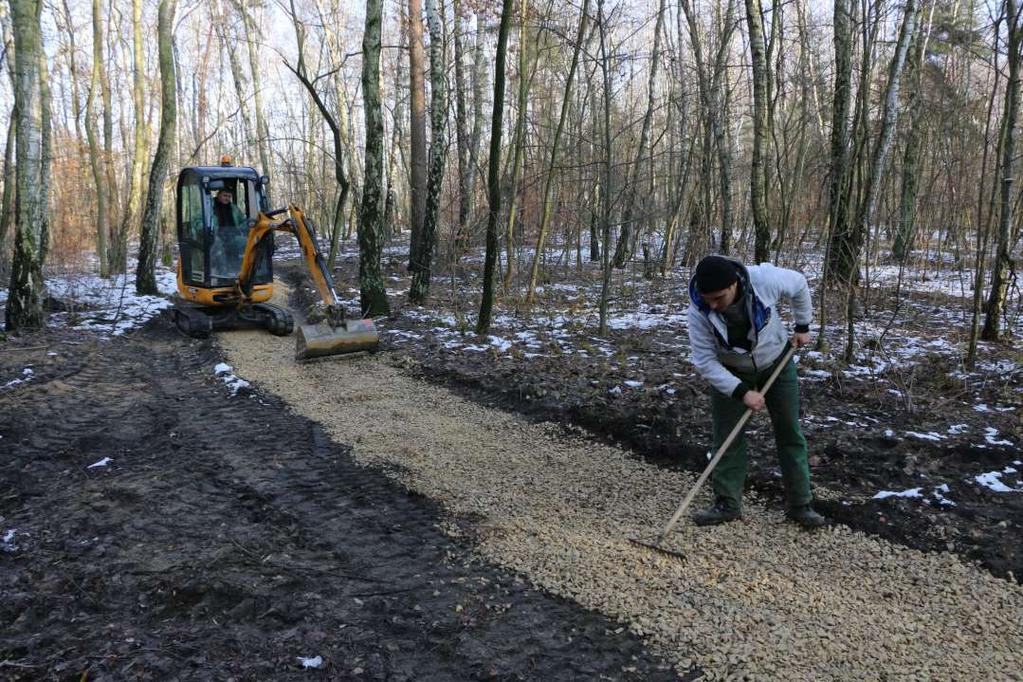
(321, 340)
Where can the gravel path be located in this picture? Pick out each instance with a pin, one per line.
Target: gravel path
(758, 598)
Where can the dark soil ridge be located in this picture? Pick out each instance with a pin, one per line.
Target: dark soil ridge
(229, 536)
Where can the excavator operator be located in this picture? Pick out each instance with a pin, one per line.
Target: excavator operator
(230, 233)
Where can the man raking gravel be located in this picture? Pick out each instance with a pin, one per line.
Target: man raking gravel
(737, 340)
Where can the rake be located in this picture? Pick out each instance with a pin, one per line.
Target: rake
(668, 527)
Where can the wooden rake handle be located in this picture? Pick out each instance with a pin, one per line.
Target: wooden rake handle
(721, 450)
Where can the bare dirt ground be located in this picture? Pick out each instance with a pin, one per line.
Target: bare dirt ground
(229, 538)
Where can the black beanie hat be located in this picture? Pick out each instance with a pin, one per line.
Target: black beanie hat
(715, 273)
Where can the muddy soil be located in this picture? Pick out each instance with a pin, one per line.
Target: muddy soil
(856, 429)
(227, 537)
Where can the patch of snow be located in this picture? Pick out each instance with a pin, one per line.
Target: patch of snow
(993, 481)
(981, 407)
(617, 390)
(817, 373)
(499, 343)
(956, 429)
(989, 436)
(638, 321)
(7, 542)
(930, 435)
(226, 374)
(912, 492)
(313, 662)
(101, 463)
(26, 376)
(633, 384)
(938, 494)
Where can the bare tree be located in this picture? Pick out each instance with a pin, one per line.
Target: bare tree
(438, 154)
(494, 171)
(372, 294)
(545, 211)
(24, 301)
(760, 77)
(145, 274)
(1003, 263)
(623, 251)
(417, 127)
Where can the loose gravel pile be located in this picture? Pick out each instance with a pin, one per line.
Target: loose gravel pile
(759, 599)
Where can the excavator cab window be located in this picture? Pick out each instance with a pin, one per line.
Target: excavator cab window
(232, 208)
(191, 235)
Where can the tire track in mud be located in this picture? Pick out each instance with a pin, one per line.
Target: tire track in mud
(228, 537)
(757, 598)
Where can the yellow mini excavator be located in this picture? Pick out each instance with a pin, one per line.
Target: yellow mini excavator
(225, 263)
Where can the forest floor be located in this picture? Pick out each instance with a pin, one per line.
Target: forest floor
(396, 513)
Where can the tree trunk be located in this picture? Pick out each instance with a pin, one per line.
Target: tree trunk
(95, 156)
(336, 134)
(715, 136)
(1003, 263)
(758, 189)
(438, 152)
(228, 42)
(545, 210)
(7, 202)
(494, 171)
(24, 301)
(461, 123)
(517, 146)
(904, 235)
(417, 130)
(145, 275)
(838, 195)
(623, 251)
(391, 226)
(606, 192)
(117, 260)
(140, 148)
(262, 132)
(472, 169)
(879, 158)
(372, 294)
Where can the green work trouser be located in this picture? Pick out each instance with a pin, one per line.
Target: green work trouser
(783, 405)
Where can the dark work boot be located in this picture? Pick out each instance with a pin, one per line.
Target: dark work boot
(805, 516)
(719, 512)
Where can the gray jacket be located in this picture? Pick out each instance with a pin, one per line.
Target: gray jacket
(765, 286)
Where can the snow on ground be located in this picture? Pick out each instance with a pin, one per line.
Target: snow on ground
(226, 374)
(109, 307)
(26, 376)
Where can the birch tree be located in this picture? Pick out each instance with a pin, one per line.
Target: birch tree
(758, 187)
(24, 300)
(145, 274)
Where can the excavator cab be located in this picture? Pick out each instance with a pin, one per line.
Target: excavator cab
(225, 230)
(211, 246)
